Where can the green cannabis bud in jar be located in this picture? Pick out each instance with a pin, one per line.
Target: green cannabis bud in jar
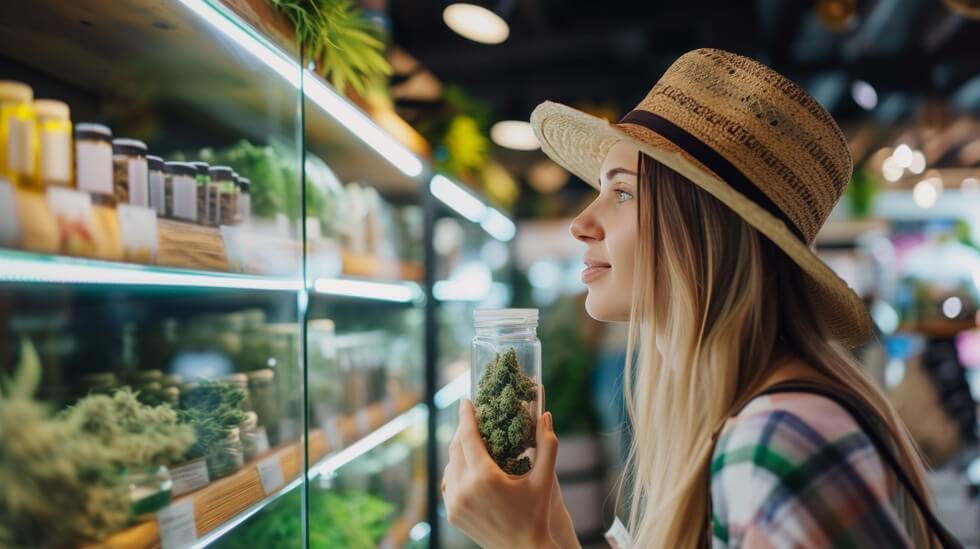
(503, 411)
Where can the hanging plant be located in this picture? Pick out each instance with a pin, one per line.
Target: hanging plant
(861, 192)
(458, 132)
(340, 40)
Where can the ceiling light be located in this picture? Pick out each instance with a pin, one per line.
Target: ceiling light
(864, 95)
(952, 307)
(546, 176)
(891, 170)
(903, 156)
(515, 134)
(476, 23)
(918, 164)
(926, 192)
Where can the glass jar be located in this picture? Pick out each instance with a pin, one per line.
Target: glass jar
(221, 176)
(17, 127)
(228, 201)
(244, 200)
(157, 184)
(261, 385)
(93, 162)
(130, 172)
(54, 143)
(505, 362)
(149, 490)
(204, 198)
(240, 381)
(180, 191)
(227, 456)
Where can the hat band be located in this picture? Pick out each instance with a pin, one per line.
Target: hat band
(712, 160)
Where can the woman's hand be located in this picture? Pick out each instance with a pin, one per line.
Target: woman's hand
(491, 507)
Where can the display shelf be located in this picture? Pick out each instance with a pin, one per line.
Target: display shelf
(225, 503)
(365, 266)
(938, 329)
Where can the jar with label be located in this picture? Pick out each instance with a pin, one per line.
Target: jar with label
(228, 201)
(180, 191)
(204, 199)
(244, 199)
(157, 184)
(221, 178)
(54, 143)
(17, 133)
(93, 162)
(505, 376)
(130, 172)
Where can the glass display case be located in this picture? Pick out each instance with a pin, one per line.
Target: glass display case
(217, 290)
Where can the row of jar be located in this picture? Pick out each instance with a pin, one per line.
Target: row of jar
(36, 151)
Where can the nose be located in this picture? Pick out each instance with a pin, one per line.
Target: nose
(586, 227)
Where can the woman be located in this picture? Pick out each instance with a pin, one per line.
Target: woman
(710, 195)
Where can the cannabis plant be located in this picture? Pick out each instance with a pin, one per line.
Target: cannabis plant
(503, 401)
(213, 408)
(60, 486)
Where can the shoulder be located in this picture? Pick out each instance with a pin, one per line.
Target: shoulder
(797, 467)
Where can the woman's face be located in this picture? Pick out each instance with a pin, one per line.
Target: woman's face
(608, 227)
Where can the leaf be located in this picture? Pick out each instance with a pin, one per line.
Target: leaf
(27, 378)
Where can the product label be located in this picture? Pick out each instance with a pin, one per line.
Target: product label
(20, 157)
(177, 527)
(234, 248)
(245, 207)
(270, 473)
(157, 192)
(189, 476)
(335, 440)
(139, 183)
(73, 213)
(94, 163)
(618, 536)
(55, 156)
(9, 223)
(261, 440)
(138, 228)
(185, 197)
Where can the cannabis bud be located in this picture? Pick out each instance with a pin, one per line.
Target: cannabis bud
(503, 412)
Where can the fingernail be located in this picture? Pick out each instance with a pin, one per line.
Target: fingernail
(549, 420)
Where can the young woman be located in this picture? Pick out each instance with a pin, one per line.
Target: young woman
(710, 195)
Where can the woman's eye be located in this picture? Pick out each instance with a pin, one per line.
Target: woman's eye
(623, 196)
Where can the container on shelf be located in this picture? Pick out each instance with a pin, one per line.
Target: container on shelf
(261, 385)
(17, 133)
(204, 197)
(244, 200)
(93, 162)
(180, 191)
(97, 383)
(240, 381)
(249, 435)
(505, 362)
(227, 457)
(54, 143)
(157, 184)
(130, 172)
(221, 178)
(228, 201)
(149, 491)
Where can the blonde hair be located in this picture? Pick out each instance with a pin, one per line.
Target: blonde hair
(715, 305)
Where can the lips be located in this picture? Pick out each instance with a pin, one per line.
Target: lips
(594, 269)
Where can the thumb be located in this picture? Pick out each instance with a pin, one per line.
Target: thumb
(543, 472)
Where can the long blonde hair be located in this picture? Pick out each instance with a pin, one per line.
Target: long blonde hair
(715, 306)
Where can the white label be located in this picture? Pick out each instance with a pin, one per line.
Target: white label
(139, 182)
(261, 440)
(138, 227)
(9, 226)
(363, 421)
(55, 156)
(157, 192)
(270, 473)
(177, 527)
(20, 157)
(335, 440)
(245, 207)
(190, 476)
(73, 209)
(234, 248)
(185, 197)
(618, 536)
(94, 162)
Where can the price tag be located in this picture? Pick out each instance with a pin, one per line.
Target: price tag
(177, 527)
(138, 227)
(190, 476)
(270, 473)
(363, 420)
(618, 536)
(334, 439)
(261, 441)
(9, 224)
(76, 222)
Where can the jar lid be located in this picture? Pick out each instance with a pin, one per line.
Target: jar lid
(179, 168)
(244, 183)
(487, 318)
(155, 162)
(52, 108)
(93, 132)
(221, 173)
(132, 147)
(238, 379)
(15, 91)
(202, 168)
(264, 374)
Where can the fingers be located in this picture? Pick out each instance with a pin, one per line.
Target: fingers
(543, 472)
(468, 434)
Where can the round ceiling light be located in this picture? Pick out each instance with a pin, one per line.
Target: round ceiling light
(476, 23)
(515, 134)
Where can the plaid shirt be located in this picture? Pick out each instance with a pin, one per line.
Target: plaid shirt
(795, 470)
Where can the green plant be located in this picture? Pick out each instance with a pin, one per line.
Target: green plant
(59, 484)
(138, 435)
(503, 400)
(861, 192)
(340, 40)
(213, 408)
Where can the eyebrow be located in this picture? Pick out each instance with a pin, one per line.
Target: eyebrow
(616, 171)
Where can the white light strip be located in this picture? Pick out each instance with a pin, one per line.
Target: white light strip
(405, 292)
(498, 226)
(453, 391)
(81, 271)
(361, 125)
(335, 461)
(314, 88)
(276, 60)
(237, 520)
(457, 198)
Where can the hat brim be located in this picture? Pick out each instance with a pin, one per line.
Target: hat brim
(579, 142)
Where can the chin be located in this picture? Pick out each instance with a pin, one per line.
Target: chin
(604, 310)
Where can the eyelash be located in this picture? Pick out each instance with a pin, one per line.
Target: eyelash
(620, 194)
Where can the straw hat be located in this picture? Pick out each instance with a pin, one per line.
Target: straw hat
(748, 136)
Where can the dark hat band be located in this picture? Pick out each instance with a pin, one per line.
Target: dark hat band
(712, 160)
